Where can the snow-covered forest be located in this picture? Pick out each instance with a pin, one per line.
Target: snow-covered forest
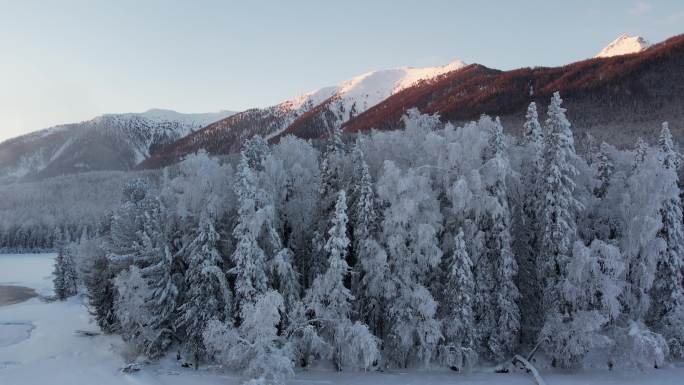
(32, 213)
(432, 246)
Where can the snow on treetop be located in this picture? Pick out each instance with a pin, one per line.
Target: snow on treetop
(624, 45)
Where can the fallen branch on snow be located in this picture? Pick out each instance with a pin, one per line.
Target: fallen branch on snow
(87, 333)
(518, 359)
(521, 362)
(132, 368)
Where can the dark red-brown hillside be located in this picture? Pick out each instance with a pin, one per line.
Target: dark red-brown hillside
(647, 83)
(626, 95)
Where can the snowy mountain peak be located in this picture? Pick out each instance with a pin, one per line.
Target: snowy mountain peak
(390, 81)
(365, 91)
(353, 96)
(624, 45)
(373, 86)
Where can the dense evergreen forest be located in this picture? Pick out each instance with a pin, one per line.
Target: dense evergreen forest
(432, 246)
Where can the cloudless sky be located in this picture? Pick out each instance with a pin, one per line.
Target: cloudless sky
(70, 60)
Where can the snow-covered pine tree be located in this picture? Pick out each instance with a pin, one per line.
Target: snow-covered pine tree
(249, 259)
(604, 170)
(641, 220)
(638, 347)
(332, 181)
(124, 242)
(279, 259)
(58, 242)
(370, 271)
(495, 138)
(70, 273)
(84, 235)
(255, 150)
(132, 314)
(372, 296)
(98, 280)
(65, 279)
(284, 278)
(532, 131)
(330, 302)
(58, 276)
(161, 279)
(137, 233)
(307, 346)
(159, 271)
(409, 228)
(257, 347)
(590, 147)
(362, 213)
(66, 240)
(459, 350)
(640, 152)
(667, 307)
(498, 321)
(260, 259)
(361, 198)
(527, 223)
(592, 287)
(668, 156)
(207, 295)
(139, 239)
(559, 229)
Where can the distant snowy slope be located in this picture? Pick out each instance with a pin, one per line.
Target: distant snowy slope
(107, 142)
(624, 45)
(197, 120)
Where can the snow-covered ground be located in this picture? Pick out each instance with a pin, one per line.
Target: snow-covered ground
(38, 346)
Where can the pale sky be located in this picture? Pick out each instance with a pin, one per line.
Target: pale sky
(69, 60)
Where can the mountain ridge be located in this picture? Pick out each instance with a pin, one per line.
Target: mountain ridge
(649, 82)
(332, 106)
(610, 83)
(457, 92)
(106, 142)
